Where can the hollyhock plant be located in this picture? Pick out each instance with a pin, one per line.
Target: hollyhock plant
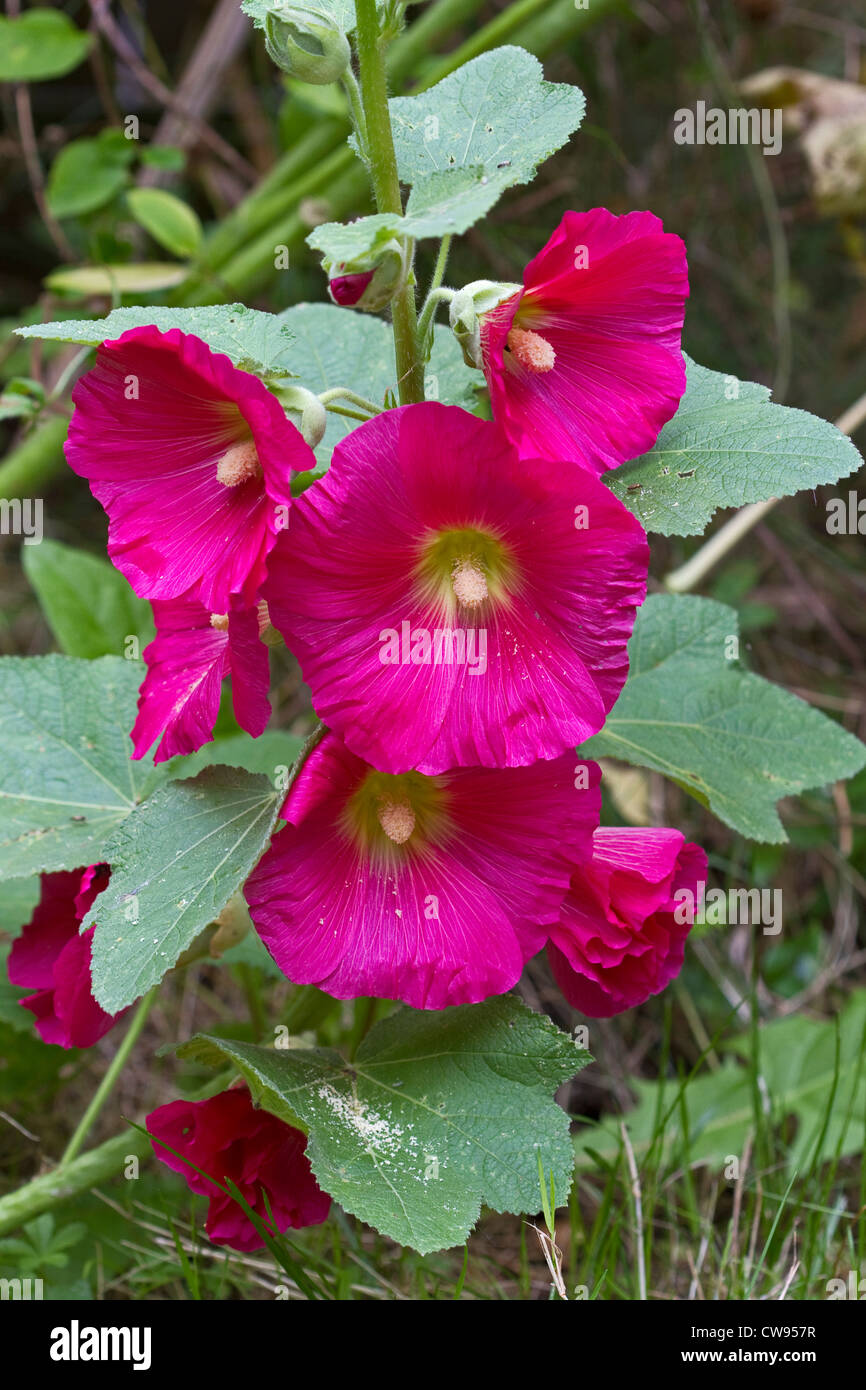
(451, 604)
(621, 935)
(584, 362)
(226, 1137)
(187, 660)
(51, 958)
(192, 460)
(433, 890)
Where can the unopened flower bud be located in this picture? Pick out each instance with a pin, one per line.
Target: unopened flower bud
(302, 41)
(467, 308)
(368, 283)
(305, 411)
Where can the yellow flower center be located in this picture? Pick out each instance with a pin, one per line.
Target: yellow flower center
(463, 568)
(389, 817)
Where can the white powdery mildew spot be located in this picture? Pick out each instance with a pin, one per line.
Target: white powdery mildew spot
(377, 1132)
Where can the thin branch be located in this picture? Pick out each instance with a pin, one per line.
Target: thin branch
(125, 51)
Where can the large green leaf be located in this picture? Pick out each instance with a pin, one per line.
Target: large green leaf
(254, 340)
(445, 203)
(461, 144)
(269, 754)
(175, 862)
(727, 445)
(339, 347)
(736, 741)
(66, 778)
(800, 1077)
(39, 44)
(342, 12)
(436, 1114)
(18, 897)
(88, 605)
(495, 112)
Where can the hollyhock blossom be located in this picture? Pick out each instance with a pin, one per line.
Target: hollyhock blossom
(191, 654)
(585, 362)
(433, 890)
(191, 459)
(51, 958)
(451, 604)
(621, 935)
(227, 1137)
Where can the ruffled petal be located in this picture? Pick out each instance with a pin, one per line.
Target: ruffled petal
(186, 664)
(450, 923)
(620, 937)
(531, 672)
(608, 295)
(152, 421)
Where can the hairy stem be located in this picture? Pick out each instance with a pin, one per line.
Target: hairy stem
(50, 1189)
(386, 190)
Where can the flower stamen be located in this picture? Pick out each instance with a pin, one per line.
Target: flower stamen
(469, 582)
(396, 818)
(239, 464)
(220, 621)
(532, 351)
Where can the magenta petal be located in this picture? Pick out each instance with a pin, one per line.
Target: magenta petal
(250, 671)
(186, 664)
(619, 939)
(53, 924)
(346, 290)
(608, 295)
(52, 958)
(229, 1140)
(86, 1022)
(152, 420)
(554, 645)
(449, 923)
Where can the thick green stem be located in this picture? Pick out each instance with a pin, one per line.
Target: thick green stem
(106, 1085)
(386, 190)
(50, 1189)
(241, 250)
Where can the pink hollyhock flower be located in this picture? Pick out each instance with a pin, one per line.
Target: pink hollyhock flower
(621, 935)
(191, 458)
(451, 604)
(227, 1137)
(191, 654)
(50, 957)
(433, 890)
(585, 363)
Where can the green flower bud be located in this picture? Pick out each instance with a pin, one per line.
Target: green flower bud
(305, 411)
(368, 283)
(305, 43)
(467, 308)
